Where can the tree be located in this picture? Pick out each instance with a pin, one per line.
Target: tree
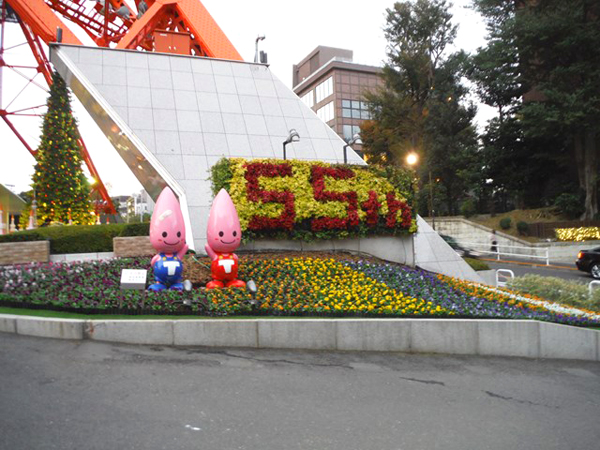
(540, 69)
(62, 190)
(421, 106)
(559, 45)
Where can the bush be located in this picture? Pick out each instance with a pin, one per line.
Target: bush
(79, 238)
(314, 200)
(523, 228)
(505, 223)
(136, 229)
(468, 208)
(570, 205)
(477, 264)
(557, 290)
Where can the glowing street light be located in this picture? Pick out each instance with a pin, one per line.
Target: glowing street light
(412, 159)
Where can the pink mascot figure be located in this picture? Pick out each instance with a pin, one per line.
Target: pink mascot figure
(167, 236)
(223, 235)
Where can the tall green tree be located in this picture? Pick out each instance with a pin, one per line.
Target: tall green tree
(62, 190)
(559, 45)
(540, 69)
(421, 107)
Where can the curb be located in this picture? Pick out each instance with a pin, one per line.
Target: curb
(520, 338)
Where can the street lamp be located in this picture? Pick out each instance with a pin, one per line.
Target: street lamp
(412, 159)
(355, 140)
(258, 38)
(293, 137)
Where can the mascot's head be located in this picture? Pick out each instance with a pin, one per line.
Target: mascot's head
(167, 229)
(223, 233)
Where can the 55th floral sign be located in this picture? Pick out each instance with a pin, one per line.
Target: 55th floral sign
(311, 200)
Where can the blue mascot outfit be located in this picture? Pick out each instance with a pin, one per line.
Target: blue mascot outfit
(168, 271)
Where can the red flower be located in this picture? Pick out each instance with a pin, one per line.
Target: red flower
(318, 174)
(371, 207)
(394, 206)
(253, 172)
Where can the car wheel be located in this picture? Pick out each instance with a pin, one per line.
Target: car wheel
(595, 271)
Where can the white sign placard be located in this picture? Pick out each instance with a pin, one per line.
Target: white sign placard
(134, 279)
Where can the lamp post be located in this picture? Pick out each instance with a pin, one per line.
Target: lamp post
(432, 211)
(412, 159)
(355, 140)
(258, 38)
(293, 137)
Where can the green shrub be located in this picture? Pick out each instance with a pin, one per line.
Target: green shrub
(477, 264)
(557, 290)
(505, 223)
(468, 208)
(79, 238)
(136, 229)
(221, 175)
(523, 228)
(570, 205)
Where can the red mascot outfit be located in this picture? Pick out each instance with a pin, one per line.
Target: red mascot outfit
(223, 236)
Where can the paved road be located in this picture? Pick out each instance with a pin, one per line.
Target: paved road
(565, 271)
(87, 395)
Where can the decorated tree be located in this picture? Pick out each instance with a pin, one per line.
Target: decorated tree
(62, 190)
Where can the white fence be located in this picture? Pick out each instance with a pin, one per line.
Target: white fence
(509, 250)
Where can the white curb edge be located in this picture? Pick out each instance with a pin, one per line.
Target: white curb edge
(521, 338)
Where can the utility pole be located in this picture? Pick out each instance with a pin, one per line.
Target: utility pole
(431, 210)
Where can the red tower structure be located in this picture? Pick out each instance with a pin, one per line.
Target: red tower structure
(172, 26)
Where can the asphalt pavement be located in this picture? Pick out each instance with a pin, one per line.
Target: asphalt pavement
(555, 269)
(73, 395)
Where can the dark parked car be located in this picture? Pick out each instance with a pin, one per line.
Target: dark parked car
(459, 249)
(589, 261)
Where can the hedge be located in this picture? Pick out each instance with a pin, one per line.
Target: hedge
(79, 238)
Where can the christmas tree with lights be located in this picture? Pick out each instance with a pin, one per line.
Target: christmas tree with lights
(61, 188)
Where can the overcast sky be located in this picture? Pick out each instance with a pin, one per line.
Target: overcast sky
(291, 33)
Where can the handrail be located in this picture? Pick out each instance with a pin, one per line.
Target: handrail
(504, 271)
(591, 286)
(498, 252)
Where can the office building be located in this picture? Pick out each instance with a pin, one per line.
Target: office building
(332, 85)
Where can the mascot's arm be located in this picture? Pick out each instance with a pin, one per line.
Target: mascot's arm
(181, 253)
(154, 259)
(210, 252)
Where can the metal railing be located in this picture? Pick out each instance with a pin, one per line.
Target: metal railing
(497, 253)
(503, 276)
(591, 286)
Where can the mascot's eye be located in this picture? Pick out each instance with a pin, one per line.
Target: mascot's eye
(164, 234)
(234, 233)
(221, 233)
(179, 234)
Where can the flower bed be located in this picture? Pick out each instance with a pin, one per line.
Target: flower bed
(578, 234)
(294, 286)
(315, 200)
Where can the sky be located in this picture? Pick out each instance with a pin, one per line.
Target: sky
(291, 32)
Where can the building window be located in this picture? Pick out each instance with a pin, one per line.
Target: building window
(308, 99)
(326, 113)
(325, 89)
(354, 109)
(349, 131)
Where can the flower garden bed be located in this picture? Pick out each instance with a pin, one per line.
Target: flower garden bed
(327, 285)
(313, 200)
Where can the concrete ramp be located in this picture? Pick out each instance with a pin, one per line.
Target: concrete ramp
(434, 254)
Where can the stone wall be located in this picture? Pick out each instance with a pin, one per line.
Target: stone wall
(466, 233)
(132, 246)
(24, 252)
(389, 248)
